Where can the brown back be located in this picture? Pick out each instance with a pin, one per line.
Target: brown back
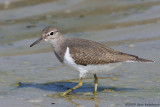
(86, 52)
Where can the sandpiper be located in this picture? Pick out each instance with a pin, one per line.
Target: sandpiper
(83, 55)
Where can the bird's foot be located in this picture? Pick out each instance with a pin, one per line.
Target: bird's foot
(63, 94)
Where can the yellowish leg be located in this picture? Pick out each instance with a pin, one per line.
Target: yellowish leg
(95, 84)
(77, 86)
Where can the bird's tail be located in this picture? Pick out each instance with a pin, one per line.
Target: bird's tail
(144, 60)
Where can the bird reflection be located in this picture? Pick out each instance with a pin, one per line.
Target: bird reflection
(72, 99)
(74, 103)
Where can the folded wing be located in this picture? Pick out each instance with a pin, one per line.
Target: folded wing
(86, 52)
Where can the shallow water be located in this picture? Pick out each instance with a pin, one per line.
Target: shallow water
(28, 75)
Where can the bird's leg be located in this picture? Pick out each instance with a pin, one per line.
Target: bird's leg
(95, 84)
(77, 86)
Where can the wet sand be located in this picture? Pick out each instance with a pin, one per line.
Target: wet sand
(28, 75)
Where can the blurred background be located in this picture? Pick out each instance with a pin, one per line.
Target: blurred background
(28, 75)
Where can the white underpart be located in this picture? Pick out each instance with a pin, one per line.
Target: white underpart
(69, 61)
(130, 61)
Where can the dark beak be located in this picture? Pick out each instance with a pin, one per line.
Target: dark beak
(37, 41)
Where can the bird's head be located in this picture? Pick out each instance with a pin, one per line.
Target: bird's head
(48, 34)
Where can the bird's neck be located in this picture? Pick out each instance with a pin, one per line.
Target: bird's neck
(59, 47)
(56, 42)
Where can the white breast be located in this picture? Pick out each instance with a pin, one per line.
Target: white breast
(69, 61)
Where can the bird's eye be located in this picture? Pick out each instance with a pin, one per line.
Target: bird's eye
(51, 33)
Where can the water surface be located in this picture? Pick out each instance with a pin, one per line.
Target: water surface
(28, 75)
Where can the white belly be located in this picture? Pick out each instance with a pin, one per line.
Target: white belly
(69, 61)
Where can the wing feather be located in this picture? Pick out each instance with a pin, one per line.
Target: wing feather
(86, 52)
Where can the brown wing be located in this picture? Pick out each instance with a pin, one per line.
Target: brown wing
(87, 52)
